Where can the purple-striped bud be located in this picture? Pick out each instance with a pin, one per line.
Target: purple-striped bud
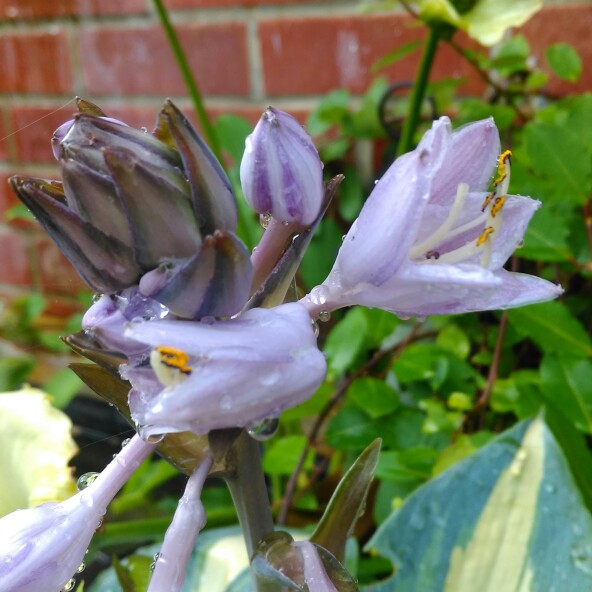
(281, 172)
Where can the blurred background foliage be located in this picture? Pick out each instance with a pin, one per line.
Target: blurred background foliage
(436, 390)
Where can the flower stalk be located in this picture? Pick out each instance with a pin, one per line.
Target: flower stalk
(418, 90)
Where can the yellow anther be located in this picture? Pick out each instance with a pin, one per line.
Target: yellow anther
(498, 204)
(484, 235)
(487, 201)
(502, 167)
(174, 358)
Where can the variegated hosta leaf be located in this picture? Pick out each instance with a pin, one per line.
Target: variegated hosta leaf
(509, 518)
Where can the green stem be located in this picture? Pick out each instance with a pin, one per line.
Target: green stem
(206, 125)
(418, 91)
(249, 494)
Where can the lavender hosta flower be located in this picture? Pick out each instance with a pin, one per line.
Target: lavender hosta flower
(430, 238)
(281, 172)
(218, 374)
(42, 548)
(180, 537)
(136, 208)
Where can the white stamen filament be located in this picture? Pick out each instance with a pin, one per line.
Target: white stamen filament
(442, 233)
(489, 220)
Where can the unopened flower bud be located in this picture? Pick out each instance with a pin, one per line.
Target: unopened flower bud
(281, 172)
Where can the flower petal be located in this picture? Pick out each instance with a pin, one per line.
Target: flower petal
(103, 262)
(213, 199)
(378, 241)
(243, 370)
(158, 210)
(214, 282)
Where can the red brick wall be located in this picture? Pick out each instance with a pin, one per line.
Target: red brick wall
(245, 54)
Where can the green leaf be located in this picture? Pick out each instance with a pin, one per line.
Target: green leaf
(232, 132)
(567, 384)
(509, 517)
(564, 61)
(331, 110)
(374, 396)
(63, 387)
(346, 341)
(282, 455)
(547, 234)
(321, 253)
(552, 327)
(347, 503)
(395, 55)
(351, 195)
(14, 371)
(353, 429)
(453, 339)
(557, 155)
(474, 109)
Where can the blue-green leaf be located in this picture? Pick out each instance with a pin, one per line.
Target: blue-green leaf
(509, 517)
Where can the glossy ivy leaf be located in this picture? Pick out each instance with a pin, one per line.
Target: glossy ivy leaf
(564, 61)
(347, 503)
(375, 396)
(553, 328)
(567, 384)
(509, 517)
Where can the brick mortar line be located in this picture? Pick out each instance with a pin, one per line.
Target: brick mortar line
(194, 15)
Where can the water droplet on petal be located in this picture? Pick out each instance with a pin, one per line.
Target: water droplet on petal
(264, 429)
(226, 403)
(315, 328)
(319, 295)
(125, 442)
(145, 432)
(69, 585)
(85, 480)
(270, 378)
(324, 316)
(81, 567)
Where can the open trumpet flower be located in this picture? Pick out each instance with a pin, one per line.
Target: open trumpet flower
(431, 239)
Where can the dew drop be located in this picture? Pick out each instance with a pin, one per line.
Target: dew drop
(265, 219)
(520, 244)
(319, 295)
(270, 378)
(85, 480)
(264, 429)
(69, 585)
(156, 556)
(81, 567)
(144, 130)
(126, 442)
(226, 403)
(324, 316)
(145, 432)
(315, 328)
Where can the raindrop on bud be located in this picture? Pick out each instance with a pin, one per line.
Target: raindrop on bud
(264, 429)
